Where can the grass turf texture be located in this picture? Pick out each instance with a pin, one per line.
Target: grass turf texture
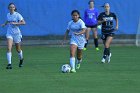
(41, 72)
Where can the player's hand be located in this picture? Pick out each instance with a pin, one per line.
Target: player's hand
(116, 28)
(3, 25)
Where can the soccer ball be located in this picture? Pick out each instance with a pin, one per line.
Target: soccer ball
(65, 68)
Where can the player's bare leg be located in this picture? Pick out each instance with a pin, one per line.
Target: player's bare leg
(73, 49)
(107, 45)
(87, 37)
(9, 53)
(107, 53)
(20, 54)
(95, 36)
(79, 58)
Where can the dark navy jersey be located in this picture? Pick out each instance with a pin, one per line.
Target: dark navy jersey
(107, 27)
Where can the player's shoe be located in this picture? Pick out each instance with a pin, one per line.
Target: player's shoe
(103, 60)
(84, 49)
(108, 58)
(21, 63)
(73, 71)
(97, 49)
(78, 66)
(9, 66)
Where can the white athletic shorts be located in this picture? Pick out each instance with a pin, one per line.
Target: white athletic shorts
(17, 38)
(80, 43)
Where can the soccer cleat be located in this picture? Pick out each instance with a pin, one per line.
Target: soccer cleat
(97, 49)
(9, 66)
(78, 66)
(85, 49)
(108, 58)
(21, 63)
(103, 60)
(73, 71)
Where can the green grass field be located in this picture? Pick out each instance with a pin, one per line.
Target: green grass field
(41, 72)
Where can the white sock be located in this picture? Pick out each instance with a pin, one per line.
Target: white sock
(79, 61)
(9, 56)
(72, 62)
(20, 54)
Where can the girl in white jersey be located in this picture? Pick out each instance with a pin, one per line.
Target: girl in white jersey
(14, 20)
(77, 28)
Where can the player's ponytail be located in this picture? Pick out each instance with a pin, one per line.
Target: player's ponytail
(12, 4)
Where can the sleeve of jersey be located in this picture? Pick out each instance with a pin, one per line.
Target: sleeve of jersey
(97, 13)
(68, 27)
(99, 17)
(85, 16)
(20, 17)
(83, 24)
(114, 15)
(7, 17)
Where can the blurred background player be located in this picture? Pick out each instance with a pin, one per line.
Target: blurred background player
(14, 20)
(77, 28)
(90, 18)
(107, 20)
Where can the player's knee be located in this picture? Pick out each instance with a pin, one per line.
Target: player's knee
(8, 49)
(79, 57)
(72, 55)
(107, 45)
(18, 49)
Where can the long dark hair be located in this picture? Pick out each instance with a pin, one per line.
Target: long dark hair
(12, 4)
(76, 11)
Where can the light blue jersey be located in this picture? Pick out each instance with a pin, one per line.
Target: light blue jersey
(73, 27)
(13, 31)
(15, 17)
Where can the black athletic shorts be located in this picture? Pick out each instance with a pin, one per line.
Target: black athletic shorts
(104, 36)
(93, 26)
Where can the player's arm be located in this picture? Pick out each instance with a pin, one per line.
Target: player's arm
(81, 32)
(66, 34)
(117, 24)
(97, 14)
(20, 19)
(101, 19)
(83, 29)
(85, 15)
(5, 24)
(21, 22)
(116, 19)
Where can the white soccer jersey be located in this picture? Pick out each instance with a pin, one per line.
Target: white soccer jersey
(78, 40)
(15, 17)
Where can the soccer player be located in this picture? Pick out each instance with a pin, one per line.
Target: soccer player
(77, 28)
(90, 18)
(107, 20)
(14, 20)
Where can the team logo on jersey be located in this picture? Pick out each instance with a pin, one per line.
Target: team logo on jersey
(108, 18)
(90, 15)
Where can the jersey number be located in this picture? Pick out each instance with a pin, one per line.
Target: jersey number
(107, 23)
